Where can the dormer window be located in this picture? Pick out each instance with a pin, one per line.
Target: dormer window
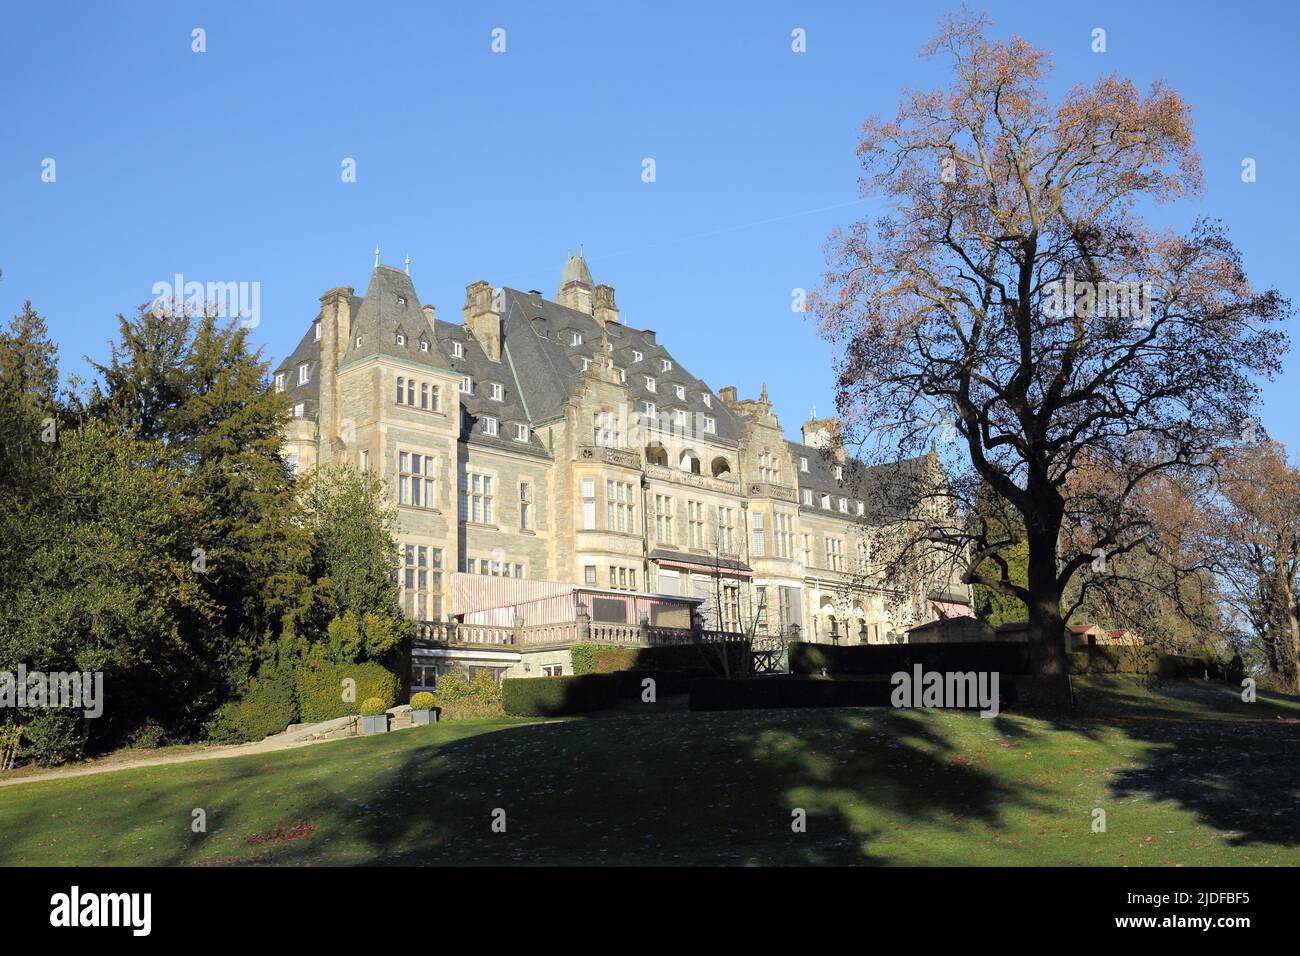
(401, 300)
(839, 472)
(358, 341)
(710, 425)
(316, 331)
(807, 497)
(707, 399)
(844, 505)
(299, 410)
(521, 433)
(467, 385)
(489, 426)
(279, 381)
(803, 463)
(622, 374)
(457, 350)
(401, 339)
(826, 502)
(862, 508)
(586, 364)
(424, 346)
(636, 356)
(575, 338)
(496, 392)
(649, 383)
(304, 373)
(680, 391)
(665, 365)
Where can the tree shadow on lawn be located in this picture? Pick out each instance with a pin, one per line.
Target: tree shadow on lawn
(689, 788)
(1235, 766)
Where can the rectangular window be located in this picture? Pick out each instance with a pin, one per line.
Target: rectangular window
(489, 426)
(415, 480)
(525, 506)
(784, 535)
(803, 463)
(665, 365)
(589, 575)
(759, 543)
(467, 385)
(620, 509)
(521, 433)
(807, 497)
(477, 498)
(648, 410)
(707, 399)
(496, 392)
(695, 525)
(664, 519)
(457, 350)
(649, 383)
(844, 505)
(421, 582)
(680, 391)
(589, 504)
(304, 373)
(710, 425)
(316, 331)
(279, 382)
(553, 670)
(835, 554)
(727, 530)
(636, 356)
(299, 410)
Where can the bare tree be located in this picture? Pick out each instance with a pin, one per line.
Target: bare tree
(1013, 298)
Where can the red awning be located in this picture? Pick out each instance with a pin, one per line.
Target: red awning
(946, 609)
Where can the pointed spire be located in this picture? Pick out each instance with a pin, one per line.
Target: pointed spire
(376, 255)
(813, 416)
(408, 263)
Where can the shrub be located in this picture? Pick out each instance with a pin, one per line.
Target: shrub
(553, 696)
(321, 687)
(52, 737)
(883, 660)
(373, 707)
(267, 707)
(422, 701)
(459, 699)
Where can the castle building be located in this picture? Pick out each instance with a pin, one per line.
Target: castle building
(544, 440)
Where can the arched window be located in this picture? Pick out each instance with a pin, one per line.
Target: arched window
(690, 462)
(720, 467)
(401, 390)
(656, 455)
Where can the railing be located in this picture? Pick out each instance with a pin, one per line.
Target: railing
(543, 635)
(453, 634)
(614, 633)
(670, 635)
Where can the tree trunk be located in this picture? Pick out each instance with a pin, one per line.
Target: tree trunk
(1050, 678)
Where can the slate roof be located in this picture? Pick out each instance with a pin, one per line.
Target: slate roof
(539, 343)
(307, 351)
(884, 488)
(389, 309)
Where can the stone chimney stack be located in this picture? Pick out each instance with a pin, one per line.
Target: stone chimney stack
(335, 328)
(728, 396)
(824, 433)
(606, 310)
(429, 314)
(483, 322)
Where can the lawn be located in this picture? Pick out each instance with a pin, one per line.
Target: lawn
(1185, 772)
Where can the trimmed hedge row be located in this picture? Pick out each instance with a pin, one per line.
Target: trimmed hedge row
(780, 692)
(554, 696)
(667, 683)
(882, 660)
(267, 707)
(603, 659)
(320, 688)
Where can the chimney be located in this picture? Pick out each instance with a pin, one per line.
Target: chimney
(649, 335)
(335, 328)
(728, 395)
(606, 310)
(481, 320)
(824, 433)
(429, 314)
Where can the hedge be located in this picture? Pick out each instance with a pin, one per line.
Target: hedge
(320, 688)
(780, 692)
(604, 659)
(266, 708)
(553, 696)
(667, 683)
(1005, 657)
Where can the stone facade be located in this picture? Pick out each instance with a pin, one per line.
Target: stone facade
(548, 440)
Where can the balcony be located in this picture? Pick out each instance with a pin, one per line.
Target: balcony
(726, 486)
(450, 634)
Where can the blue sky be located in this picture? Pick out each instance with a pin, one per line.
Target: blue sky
(226, 165)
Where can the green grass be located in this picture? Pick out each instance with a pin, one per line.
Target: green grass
(1187, 775)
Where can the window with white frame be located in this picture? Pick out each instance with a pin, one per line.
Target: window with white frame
(421, 582)
(844, 505)
(457, 350)
(826, 502)
(760, 544)
(589, 504)
(839, 472)
(316, 331)
(575, 338)
(707, 399)
(416, 475)
(586, 363)
(401, 339)
(489, 425)
(649, 383)
(636, 356)
(710, 425)
(648, 410)
(477, 498)
(467, 385)
(680, 392)
(803, 463)
(554, 670)
(525, 506)
(299, 410)
(807, 497)
(304, 373)
(279, 382)
(620, 506)
(664, 519)
(589, 575)
(496, 392)
(695, 525)
(665, 365)
(521, 432)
